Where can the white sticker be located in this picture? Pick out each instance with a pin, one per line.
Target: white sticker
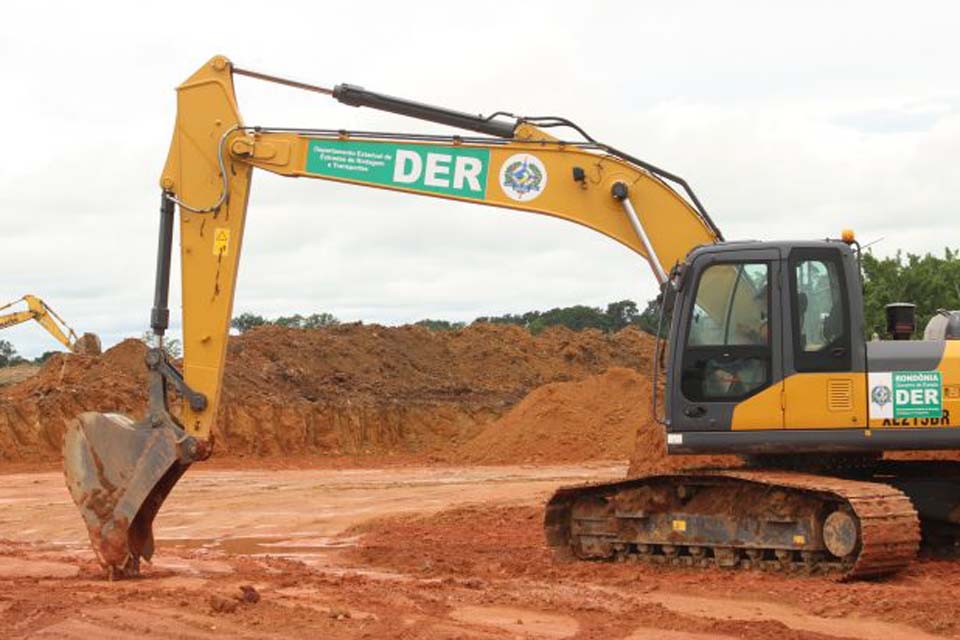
(880, 386)
(523, 177)
(674, 438)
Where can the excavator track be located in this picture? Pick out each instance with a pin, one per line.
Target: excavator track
(761, 519)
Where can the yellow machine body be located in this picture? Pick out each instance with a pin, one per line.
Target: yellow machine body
(119, 471)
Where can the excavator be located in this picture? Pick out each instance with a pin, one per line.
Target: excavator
(40, 311)
(765, 355)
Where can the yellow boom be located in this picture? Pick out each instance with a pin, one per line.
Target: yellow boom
(119, 472)
(47, 318)
(576, 184)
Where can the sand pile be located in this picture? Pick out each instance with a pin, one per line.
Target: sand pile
(343, 389)
(602, 417)
(592, 419)
(33, 412)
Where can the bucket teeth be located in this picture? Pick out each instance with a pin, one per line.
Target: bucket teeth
(119, 473)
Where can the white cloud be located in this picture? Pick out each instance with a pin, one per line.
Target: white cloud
(790, 121)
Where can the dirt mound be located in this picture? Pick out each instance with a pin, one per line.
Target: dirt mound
(414, 362)
(34, 412)
(17, 373)
(594, 418)
(346, 389)
(602, 417)
(356, 388)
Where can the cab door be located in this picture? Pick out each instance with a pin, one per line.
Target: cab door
(730, 343)
(824, 385)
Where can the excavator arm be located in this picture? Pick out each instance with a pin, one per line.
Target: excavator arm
(213, 154)
(47, 318)
(119, 472)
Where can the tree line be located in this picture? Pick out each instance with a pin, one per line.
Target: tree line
(9, 356)
(928, 281)
(614, 317)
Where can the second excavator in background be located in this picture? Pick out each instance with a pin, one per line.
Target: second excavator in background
(765, 357)
(40, 312)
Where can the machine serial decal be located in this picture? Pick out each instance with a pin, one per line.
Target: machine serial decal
(942, 421)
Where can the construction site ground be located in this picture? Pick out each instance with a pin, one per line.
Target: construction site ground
(407, 552)
(389, 483)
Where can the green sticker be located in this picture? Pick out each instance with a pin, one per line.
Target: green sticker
(917, 394)
(452, 171)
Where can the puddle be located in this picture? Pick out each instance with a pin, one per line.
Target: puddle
(261, 545)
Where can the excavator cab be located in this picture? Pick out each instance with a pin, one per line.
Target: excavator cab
(768, 348)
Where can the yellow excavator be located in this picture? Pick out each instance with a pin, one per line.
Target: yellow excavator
(765, 356)
(40, 311)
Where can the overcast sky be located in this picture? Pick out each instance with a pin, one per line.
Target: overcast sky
(788, 122)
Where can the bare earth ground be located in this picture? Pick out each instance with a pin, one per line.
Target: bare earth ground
(407, 552)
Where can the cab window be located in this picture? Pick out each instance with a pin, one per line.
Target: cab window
(820, 319)
(727, 356)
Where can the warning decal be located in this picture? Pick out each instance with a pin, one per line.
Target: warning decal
(221, 241)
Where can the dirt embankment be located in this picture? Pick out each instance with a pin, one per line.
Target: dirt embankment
(349, 389)
(605, 416)
(33, 412)
(592, 418)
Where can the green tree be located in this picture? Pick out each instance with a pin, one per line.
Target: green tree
(9, 355)
(616, 316)
(927, 281)
(246, 321)
(317, 320)
(650, 319)
(441, 325)
(44, 357)
(577, 317)
(172, 346)
(291, 322)
(622, 314)
(522, 320)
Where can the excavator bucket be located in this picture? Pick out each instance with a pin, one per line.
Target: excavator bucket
(119, 472)
(88, 345)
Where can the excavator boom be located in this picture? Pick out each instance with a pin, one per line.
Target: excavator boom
(47, 318)
(118, 471)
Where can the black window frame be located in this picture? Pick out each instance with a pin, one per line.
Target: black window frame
(827, 358)
(764, 352)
